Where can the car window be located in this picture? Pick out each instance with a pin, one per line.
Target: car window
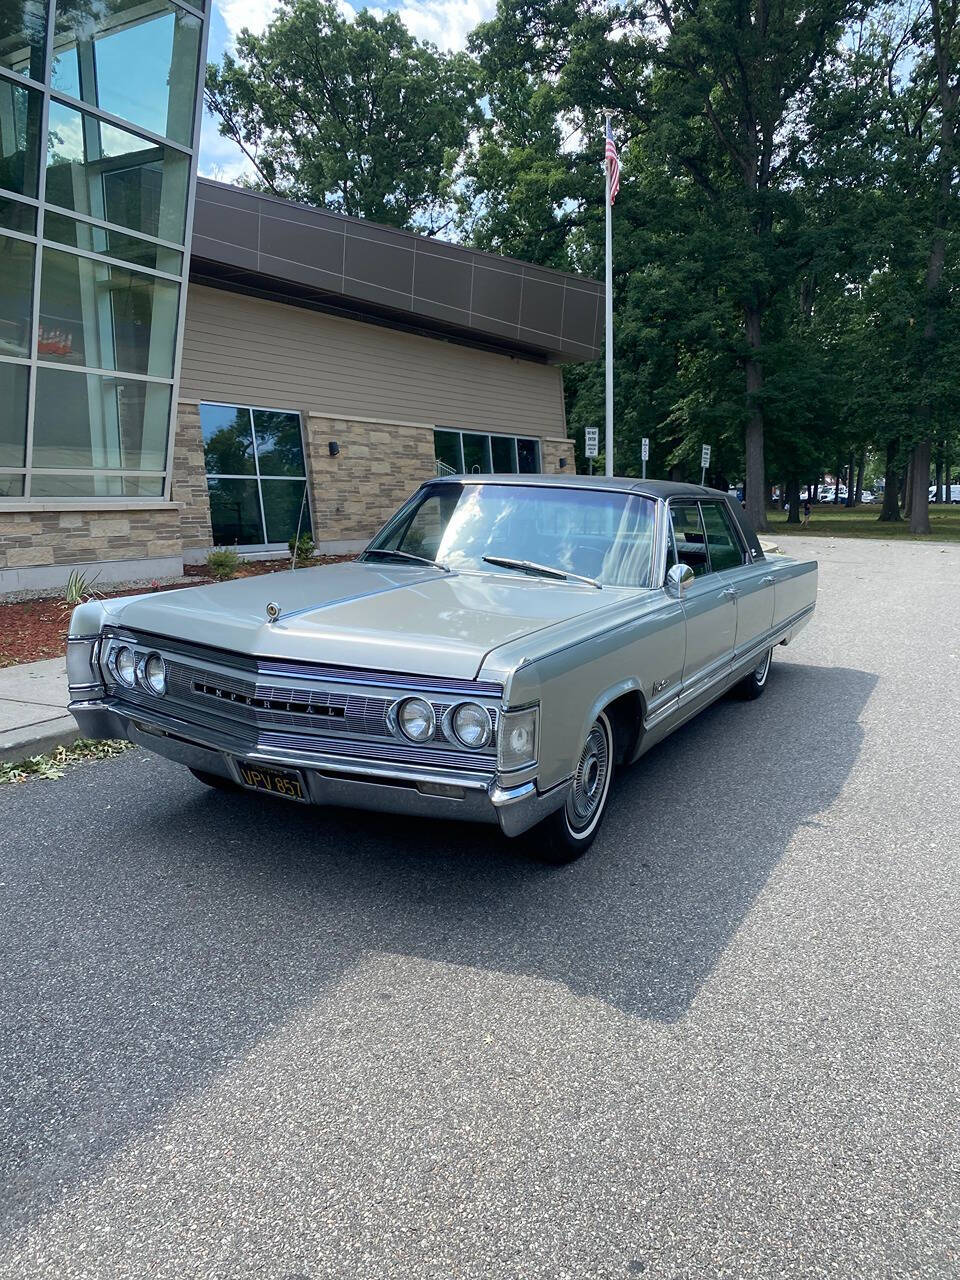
(689, 537)
(602, 534)
(725, 550)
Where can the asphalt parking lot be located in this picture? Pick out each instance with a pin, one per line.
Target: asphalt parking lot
(245, 1041)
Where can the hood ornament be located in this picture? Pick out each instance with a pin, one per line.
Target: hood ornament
(273, 611)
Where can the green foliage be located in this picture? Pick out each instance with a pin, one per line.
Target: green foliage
(52, 765)
(79, 588)
(356, 116)
(303, 548)
(787, 235)
(223, 564)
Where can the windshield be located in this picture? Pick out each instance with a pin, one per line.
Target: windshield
(595, 533)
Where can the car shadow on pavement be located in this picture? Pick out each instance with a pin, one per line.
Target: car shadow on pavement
(173, 931)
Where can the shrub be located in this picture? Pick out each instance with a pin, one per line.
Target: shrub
(79, 588)
(223, 564)
(303, 548)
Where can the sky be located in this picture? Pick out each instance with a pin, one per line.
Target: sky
(446, 22)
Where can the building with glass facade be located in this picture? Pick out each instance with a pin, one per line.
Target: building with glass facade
(98, 132)
(296, 367)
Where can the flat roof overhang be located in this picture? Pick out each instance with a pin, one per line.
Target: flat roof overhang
(289, 252)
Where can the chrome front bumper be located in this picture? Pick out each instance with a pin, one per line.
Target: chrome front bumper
(345, 783)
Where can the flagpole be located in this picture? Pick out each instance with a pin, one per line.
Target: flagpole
(608, 321)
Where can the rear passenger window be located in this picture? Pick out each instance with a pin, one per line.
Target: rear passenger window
(725, 550)
(688, 537)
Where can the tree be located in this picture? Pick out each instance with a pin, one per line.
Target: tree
(713, 97)
(355, 116)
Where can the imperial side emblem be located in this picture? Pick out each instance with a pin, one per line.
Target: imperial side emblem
(273, 611)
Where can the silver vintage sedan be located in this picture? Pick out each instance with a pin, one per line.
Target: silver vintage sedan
(500, 646)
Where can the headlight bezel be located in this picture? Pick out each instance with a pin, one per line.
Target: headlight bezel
(116, 653)
(396, 722)
(143, 673)
(510, 760)
(453, 734)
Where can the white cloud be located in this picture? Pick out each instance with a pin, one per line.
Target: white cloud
(446, 22)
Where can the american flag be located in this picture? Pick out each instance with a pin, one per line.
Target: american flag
(612, 161)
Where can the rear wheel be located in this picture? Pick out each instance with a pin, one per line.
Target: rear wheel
(754, 684)
(214, 780)
(567, 834)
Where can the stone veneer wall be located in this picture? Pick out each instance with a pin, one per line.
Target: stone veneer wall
(189, 479)
(49, 539)
(552, 450)
(379, 465)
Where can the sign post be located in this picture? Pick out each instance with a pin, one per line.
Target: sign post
(644, 455)
(591, 444)
(704, 463)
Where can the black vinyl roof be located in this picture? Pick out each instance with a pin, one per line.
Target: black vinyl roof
(293, 253)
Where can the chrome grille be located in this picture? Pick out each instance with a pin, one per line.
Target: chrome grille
(306, 716)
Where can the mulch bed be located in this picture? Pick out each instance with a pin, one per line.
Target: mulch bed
(34, 629)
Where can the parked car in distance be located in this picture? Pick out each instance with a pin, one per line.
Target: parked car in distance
(500, 646)
(953, 496)
(867, 496)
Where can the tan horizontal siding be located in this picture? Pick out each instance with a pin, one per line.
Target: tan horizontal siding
(242, 350)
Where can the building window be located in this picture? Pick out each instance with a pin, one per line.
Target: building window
(256, 475)
(98, 100)
(23, 37)
(471, 452)
(135, 61)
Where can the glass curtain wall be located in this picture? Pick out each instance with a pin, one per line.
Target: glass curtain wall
(98, 112)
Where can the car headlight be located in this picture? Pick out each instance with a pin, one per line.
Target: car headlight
(472, 725)
(517, 739)
(125, 665)
(152, 671)
(417, 720)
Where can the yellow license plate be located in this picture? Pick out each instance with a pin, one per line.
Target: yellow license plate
(286, 783)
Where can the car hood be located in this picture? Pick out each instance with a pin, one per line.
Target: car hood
(383, 617)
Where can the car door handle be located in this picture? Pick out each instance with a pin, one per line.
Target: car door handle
(767, 581)
(728, 593)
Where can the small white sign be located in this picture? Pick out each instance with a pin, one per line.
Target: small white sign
(591, 442)
(645, 449)
(705, 456)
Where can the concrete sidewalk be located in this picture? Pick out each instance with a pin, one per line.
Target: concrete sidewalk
(33, 709)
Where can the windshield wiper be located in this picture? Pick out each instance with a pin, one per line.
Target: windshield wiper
(406, 555)
(545, 570)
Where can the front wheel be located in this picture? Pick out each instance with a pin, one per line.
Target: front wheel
(754, 684)
(567, 834)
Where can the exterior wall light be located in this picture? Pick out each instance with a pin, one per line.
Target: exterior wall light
(563, 463)
(334, 448)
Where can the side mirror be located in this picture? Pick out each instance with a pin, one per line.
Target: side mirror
(679, 577)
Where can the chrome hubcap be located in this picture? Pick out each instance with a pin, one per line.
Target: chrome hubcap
(589, 782)
(762, 667)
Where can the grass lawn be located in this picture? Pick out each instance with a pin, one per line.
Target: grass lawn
(828, 521)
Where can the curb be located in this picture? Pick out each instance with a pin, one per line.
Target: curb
(38, 740)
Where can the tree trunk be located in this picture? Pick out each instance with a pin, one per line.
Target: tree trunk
(814, 491)
(947, 491)
(851, 481)
(891, 506)
(938, 473)
(792, 490)
(756, 486)
(836, 483)
(861, 465)
(920, 488)
(908, 489)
